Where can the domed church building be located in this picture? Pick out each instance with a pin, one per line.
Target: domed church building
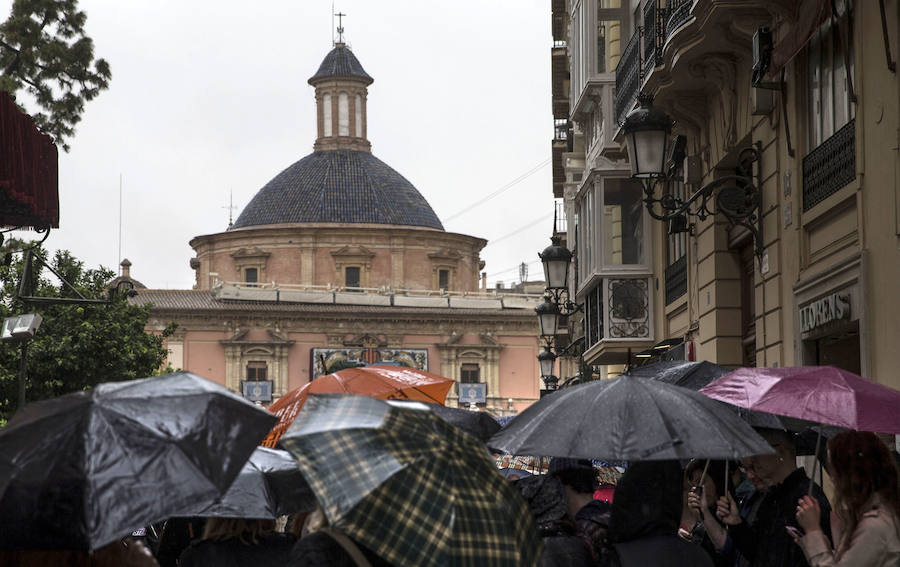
(340, 261)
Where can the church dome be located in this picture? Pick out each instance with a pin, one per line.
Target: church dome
(340, 62)
(339, 186)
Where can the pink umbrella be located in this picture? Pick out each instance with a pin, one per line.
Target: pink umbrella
(824, 394)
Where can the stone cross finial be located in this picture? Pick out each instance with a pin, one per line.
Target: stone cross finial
(340, 28)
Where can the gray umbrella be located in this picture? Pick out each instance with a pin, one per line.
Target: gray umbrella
(478, 424)
(82, 470)
(627, 419)
(269, 485)
(695, 375)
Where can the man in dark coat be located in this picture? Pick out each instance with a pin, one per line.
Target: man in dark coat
(646, 513)
(547, 501)
(766, 542)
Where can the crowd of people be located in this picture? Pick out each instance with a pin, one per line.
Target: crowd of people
(762, 511)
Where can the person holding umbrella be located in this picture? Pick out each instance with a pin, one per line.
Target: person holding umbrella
(768, 542)
(238, 542)
(867, 506)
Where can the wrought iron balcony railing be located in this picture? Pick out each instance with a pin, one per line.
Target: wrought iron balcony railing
(830, 166)
(628, 77)
(678, 12)
(653, 29)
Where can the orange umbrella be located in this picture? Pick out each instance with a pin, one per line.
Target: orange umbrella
(385, 382)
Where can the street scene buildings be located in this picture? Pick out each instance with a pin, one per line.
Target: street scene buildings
(339, 262)
(706, 375)
(799, 99)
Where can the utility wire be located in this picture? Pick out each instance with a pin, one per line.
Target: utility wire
(516, 267)
(518, 230)
(509, 185)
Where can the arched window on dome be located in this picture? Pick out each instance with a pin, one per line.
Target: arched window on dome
(343, 115)
(359, 116)
(326, 116)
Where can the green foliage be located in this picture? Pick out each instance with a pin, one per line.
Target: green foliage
(77, 346)
(44, 51)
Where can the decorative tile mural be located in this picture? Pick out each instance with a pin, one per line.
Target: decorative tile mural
(328, 360)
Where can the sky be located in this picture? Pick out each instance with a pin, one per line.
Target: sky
(209, 101)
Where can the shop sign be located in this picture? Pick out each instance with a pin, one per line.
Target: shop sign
(833, 307)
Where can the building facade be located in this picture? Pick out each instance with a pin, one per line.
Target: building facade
(804, 95)
(338, 262)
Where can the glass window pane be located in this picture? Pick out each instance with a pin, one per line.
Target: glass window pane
(351, 276)
(609, 45)
(622, 225)
(343, 115)
(250, 275)
(326, 115)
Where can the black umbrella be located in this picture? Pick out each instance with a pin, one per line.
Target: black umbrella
(695, 375)
(84, 469)
(269, 485)
(691, 375)
(627, 419)
(478, 424)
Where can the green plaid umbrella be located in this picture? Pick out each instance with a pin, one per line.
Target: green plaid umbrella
(409, 486)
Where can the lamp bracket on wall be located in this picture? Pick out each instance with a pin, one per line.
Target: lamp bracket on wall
(736, 197)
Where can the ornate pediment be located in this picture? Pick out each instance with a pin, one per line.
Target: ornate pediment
(348, 253)
(365, 340)
(445, 255)
(252, 252)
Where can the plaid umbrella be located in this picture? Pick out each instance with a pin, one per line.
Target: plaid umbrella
(409, 486)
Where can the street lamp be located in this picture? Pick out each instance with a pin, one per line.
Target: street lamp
(547, 360)
(556, 259)
(647, 133)
(548, 318)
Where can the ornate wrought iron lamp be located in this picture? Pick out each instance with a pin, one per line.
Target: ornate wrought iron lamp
(556, 304)
(736, 197)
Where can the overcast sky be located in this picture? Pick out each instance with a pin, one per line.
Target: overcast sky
(210, 97)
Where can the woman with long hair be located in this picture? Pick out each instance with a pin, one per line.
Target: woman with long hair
(866, 513)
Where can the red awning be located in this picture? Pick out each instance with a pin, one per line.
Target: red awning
(809, 16)
(29, 171)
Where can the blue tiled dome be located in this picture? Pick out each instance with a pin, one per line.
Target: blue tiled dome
(339, 186)
(340, 62)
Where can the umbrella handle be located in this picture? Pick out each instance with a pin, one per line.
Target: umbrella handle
(703, 474)
(812, 480)
(727, 484)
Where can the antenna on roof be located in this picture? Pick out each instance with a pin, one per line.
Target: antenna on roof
(230, 208)
(340, 28)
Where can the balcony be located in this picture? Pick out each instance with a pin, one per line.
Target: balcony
(628, 77)
(654, 20)
(830, 166)
(618, 317)
(677, 13)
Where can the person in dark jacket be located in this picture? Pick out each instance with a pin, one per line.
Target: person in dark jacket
(546, 499)
(766, 542)
(236, 542)
(646, 513)
(591, 516)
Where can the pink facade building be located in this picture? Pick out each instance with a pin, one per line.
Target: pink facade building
(339, 261)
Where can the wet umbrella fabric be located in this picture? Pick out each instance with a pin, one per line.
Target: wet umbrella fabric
(690, 375)
(824, 394)
(385, 382)
(409, 486)
(629, 419)
(478, 424)
(695, 375)
(269, 485)
(87, 468)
